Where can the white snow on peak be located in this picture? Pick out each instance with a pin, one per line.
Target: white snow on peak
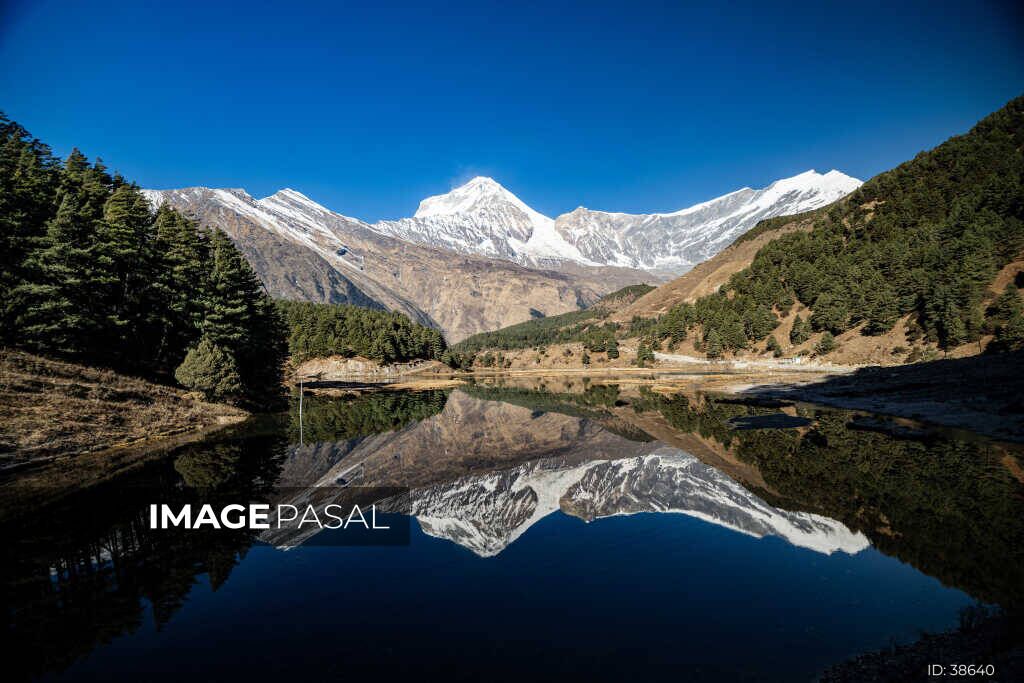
(696, 207)
(288, 213)
(483, 217)
(472, 195)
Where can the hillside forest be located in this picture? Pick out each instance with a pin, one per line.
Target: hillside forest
(922, 243)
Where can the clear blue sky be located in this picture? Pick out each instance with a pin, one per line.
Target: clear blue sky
(630, 106)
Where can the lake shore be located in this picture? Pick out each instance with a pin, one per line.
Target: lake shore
(981, 394)
(52, 409)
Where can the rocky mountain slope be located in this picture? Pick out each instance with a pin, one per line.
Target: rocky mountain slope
(482, 217)
(302, 250)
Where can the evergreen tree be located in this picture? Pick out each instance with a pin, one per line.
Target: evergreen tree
(210, 369)
(825, 345)
(1010, 336)
(28, 182)
(613, 348)
(242, 319)
(57, 303)
(830, 313)
(124, 251)
(180, 286)
(713, 344)
(773, 346)
(882, 309)
(801, 331)
(644, 355)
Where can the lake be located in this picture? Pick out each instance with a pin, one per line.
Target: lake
(560, 528)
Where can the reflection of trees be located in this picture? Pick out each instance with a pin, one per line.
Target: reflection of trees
(590, 404)
(84, 569)
(340, 419)
(587, 403)
(947, 506)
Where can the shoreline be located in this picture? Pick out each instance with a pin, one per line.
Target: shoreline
(980, 394)
(54, 410)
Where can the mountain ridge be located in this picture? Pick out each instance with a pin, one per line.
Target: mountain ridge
(483, 217)
(302, 250)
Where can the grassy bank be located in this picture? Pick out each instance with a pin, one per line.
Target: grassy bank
(53, 408)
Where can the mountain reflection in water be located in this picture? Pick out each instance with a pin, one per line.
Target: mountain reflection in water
(485, 464)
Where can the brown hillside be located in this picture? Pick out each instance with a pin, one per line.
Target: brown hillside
(707, 277)
(54, 408)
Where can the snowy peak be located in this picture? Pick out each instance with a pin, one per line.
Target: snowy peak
(478, 194)
(672, 243)
(831, 186)
(482, 217)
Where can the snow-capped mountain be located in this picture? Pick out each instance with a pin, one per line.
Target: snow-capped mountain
(487, 513)
(482, 217)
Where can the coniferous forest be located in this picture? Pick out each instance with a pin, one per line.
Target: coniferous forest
(90, 273)
(926, 238)
(320, 330)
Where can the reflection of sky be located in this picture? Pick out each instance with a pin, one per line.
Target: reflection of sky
(646, 596)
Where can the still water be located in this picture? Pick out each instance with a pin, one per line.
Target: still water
(567, 530)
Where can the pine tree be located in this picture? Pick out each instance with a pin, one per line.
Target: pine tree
(830, 313)
(1010, 336)
(882, 309)
(713, 344)
(613, 348)
(180, 286)
(644, 355)
(210, 369)
(801, 331)
(774, 347)
(825, 345)
(241, 318)
(28, 183)
(124, 248)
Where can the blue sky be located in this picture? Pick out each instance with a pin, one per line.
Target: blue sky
(368, 108)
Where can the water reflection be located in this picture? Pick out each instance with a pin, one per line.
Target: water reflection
(488, 512)
(86, 569)
(486, 463)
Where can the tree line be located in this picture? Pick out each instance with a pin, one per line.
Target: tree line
(926, 238)
(319, 330)
(89, 272)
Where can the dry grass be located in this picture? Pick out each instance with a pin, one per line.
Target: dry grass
(51, 408)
